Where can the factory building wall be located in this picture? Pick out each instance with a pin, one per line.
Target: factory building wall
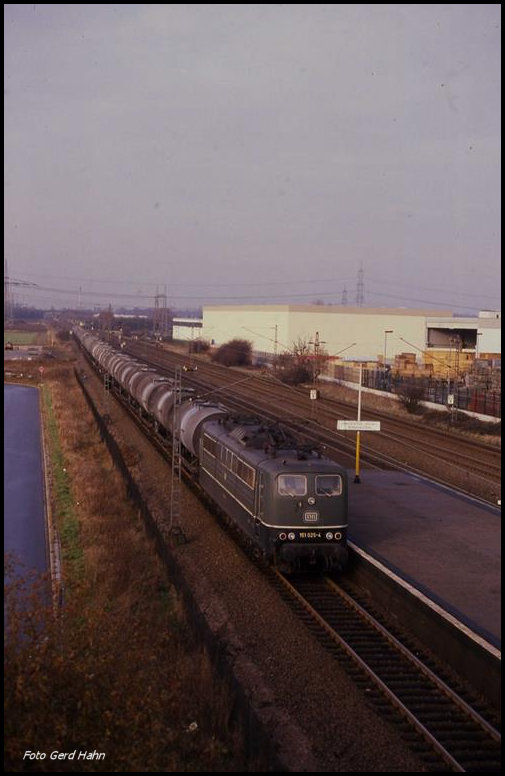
(337, 326)
(339, 330)
(489, 340)
(186, 329)
(259, 325)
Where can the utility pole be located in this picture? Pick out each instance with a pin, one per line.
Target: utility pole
(191, 347)
(357, 478)
(360, 288)
(457, 342)
(386, 332)
(107, 384)
(314, 394)
(160, 317)
(176, 473)
(317, 344)
(8, 296)
(8, 306)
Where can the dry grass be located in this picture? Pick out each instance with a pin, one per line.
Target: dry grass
(118, 672)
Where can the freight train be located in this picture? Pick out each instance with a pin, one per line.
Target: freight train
(287, 498)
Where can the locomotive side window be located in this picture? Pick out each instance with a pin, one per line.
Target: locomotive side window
(328, 485)
(234, 464)
(292, 484)
(209, 445)
(245, 472)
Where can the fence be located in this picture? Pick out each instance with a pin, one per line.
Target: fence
(478, 399)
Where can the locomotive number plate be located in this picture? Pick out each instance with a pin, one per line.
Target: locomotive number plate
(311, 517)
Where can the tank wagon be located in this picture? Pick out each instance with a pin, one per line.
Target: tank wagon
(288, 499)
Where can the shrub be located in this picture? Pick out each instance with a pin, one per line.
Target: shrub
(296, 374)
(199, 346)
(237, 352)
(411, 393)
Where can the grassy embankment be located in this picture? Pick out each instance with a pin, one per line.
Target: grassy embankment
(118, 670)
(19, 337)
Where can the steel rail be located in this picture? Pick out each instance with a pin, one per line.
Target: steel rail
(388, 693)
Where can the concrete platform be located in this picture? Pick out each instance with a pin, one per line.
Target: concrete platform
(445, 545)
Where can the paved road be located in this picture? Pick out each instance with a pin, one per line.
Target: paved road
(24, 515)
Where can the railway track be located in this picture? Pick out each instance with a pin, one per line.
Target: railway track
(472, 467)
(441, 720)
(445, 721)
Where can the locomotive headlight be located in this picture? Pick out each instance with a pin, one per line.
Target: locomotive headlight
(338, 535)
(311, 500)
(282, 537)
(291, 536)
(329, 536)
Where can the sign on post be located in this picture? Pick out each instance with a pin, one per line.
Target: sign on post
(358, 425)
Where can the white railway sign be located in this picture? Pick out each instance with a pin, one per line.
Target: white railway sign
(358, 425)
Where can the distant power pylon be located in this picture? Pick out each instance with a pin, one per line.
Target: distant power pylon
(344, 296)
(8, 306)
(161, 316)
(360, 288)
(8, 295)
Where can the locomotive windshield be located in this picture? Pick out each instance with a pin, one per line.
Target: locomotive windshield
(328, 485)
(292, 484)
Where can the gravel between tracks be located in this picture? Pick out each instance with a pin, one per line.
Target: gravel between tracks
(344, 730)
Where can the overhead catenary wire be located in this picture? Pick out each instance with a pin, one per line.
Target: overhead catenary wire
(203, 298)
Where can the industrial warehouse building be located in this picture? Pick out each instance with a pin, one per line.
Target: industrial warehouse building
(430, 337)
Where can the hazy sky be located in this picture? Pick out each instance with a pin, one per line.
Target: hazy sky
(253, 153)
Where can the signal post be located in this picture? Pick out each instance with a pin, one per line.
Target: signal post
(358, 426)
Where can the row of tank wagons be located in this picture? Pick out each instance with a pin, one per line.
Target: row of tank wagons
(301, 543)
(153, 392)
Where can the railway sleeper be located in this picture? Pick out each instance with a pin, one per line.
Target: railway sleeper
(455, 740)
(433, 712)
(412, 683)
(464, 728)
(376, 652)
(479, 765)
(412, 693)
